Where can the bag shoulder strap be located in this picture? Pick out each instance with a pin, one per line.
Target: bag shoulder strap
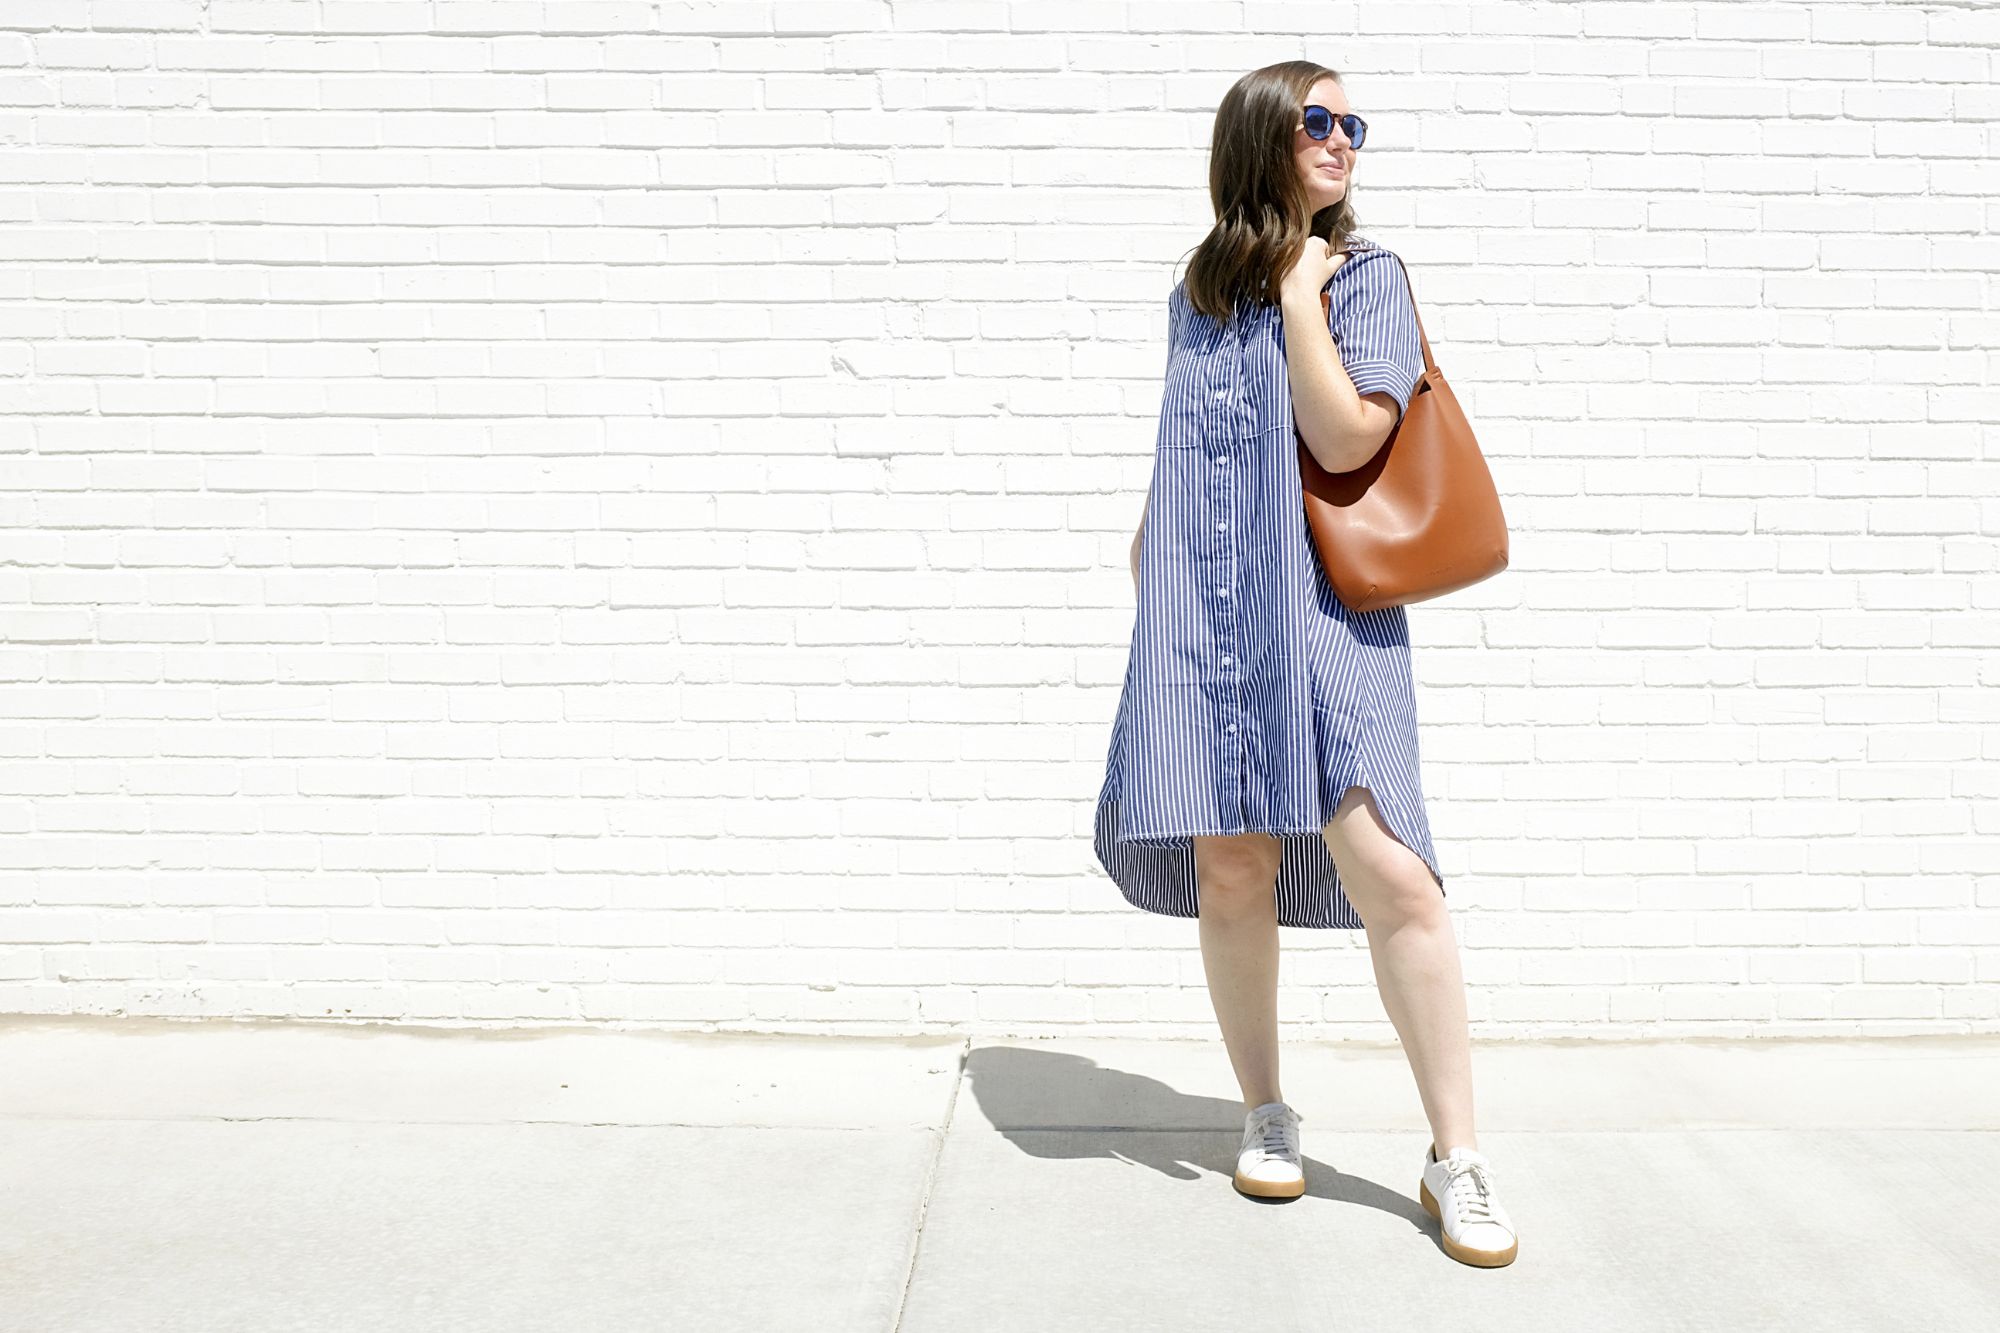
(1430, 366)
(1326, 306)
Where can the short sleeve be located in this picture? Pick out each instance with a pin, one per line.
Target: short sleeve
(1374, 324)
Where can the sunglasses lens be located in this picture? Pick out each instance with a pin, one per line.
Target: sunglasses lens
(1355, 128)
(1319, 122)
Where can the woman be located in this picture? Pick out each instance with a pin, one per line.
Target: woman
(1263, 766)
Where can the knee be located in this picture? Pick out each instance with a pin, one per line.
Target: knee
(1388, 884)
(1237, 875)
(1406, 901)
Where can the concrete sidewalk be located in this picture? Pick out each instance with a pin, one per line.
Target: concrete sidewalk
(214, 1177)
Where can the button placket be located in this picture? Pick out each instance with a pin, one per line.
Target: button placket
(1229, 424)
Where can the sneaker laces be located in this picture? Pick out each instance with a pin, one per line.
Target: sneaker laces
(1278, 1132)
(1471, 1186)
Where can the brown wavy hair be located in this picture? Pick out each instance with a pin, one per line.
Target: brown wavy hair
(1261, 218)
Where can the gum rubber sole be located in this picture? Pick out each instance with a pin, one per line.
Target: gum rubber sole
(1465, 1254)
(1270, 1189)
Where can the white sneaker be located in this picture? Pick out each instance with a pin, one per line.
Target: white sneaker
(1459, 1192)
(1268, 1165)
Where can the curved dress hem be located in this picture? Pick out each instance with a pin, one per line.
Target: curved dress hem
(1156, 873)
(1155, 870)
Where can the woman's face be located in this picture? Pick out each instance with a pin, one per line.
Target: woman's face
(1325, 165)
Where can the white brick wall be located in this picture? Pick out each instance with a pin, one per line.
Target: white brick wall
(617, 511)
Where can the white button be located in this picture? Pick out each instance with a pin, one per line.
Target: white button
(1220, 459)
(1221, 395)
(1232, 728)
(1220, 526)
(1222, 592)
(1225, 659)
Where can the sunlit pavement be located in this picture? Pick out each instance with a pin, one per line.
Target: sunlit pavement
(215, 1176)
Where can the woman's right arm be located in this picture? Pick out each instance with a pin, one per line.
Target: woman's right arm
(1139, 538)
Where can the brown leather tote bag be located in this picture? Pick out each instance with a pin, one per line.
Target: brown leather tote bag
(1421, 518)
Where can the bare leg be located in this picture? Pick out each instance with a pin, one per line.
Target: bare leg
(1415, 955)
(1238, 878)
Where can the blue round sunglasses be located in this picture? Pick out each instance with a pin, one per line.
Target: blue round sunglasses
(1320, 121)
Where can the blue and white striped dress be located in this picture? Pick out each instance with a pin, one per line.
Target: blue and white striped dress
(1253, 698)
